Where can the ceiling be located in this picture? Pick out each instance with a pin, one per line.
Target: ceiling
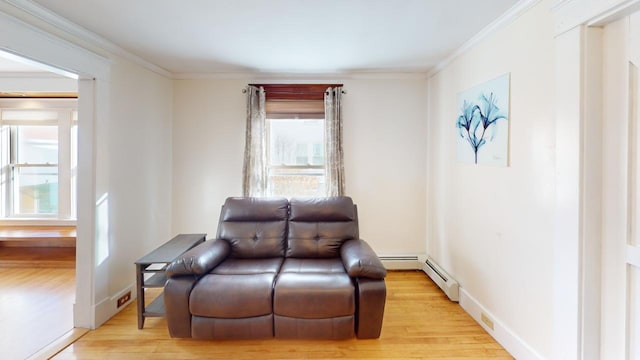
(285, 36)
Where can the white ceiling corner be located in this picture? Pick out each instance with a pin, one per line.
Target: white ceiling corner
(505, 19)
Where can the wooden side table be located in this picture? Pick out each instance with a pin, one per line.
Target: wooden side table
(155, 263)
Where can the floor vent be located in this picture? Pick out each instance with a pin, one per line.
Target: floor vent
(400, 262)
(441, 278)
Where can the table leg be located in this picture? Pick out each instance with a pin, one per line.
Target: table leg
(140, 294)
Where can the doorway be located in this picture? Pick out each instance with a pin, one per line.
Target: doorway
(38, 124)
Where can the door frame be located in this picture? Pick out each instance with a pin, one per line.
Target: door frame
(93, 70)
(578, 235)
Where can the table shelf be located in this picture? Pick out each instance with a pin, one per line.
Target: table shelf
(155, 281)
(156, 263)
(156, 308)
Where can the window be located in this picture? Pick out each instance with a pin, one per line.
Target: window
(292, 148)
(38, 145)
(295, 139)
(34, 169)
(295, 166)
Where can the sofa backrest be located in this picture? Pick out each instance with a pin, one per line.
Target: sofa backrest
(319, 226)
(254, 227)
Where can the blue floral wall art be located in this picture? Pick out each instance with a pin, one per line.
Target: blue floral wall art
(482, 123)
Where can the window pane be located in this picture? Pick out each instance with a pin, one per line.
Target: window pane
(35, 190)
(296, 157)
(296, 182)
(37, 144)
(296, 142)
(318, 154)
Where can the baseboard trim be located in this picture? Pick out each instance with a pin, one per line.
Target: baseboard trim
(108, 307)
(517, 347)
(401, 262)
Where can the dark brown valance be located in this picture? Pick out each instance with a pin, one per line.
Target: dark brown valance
(295, 101)
(295, 91)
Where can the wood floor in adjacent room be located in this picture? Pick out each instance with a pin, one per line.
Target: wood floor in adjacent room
(36, 308)
(419, 323)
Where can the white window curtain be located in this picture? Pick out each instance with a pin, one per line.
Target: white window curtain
(334, 163)
(254, 171)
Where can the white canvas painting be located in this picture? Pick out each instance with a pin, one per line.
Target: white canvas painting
(482, 123)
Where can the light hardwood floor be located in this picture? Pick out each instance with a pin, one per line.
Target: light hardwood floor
(35, 308)
(419, 323)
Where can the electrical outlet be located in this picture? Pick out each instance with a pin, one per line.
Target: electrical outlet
(486, 320)
(124, 298)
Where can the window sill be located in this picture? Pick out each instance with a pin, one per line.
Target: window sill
(37, 222)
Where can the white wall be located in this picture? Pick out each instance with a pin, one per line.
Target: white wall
(208, 147)
(132, 146)
(384, 144)
(139, 158)
(492, 228)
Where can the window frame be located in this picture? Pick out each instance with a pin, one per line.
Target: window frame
(67, 119)
(293, 169)
(285, 101)
(293, 101)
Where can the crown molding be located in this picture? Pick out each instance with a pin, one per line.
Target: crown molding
(505, 19)
(59, 22)
(371, 75)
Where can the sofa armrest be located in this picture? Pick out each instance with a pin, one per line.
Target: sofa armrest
(360, 260)
(199, 260)
(176, 301)
(372, 294)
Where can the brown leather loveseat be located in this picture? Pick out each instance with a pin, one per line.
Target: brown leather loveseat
(279, 268)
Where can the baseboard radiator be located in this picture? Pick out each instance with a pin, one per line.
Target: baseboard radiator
(441, 278)
(409, 262)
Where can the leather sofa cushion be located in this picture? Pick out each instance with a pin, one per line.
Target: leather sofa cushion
(318, 227)
(318, 240)
(254, 227)
(255, 239)
(254, 209)
(322, 209)
(232, 296)
(313, 266)
(314, 295)
(248, 266)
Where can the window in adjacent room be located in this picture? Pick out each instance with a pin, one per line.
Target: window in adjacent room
(38, 160)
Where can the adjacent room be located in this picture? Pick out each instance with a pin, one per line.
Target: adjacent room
(491, 149)
(38, 123)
